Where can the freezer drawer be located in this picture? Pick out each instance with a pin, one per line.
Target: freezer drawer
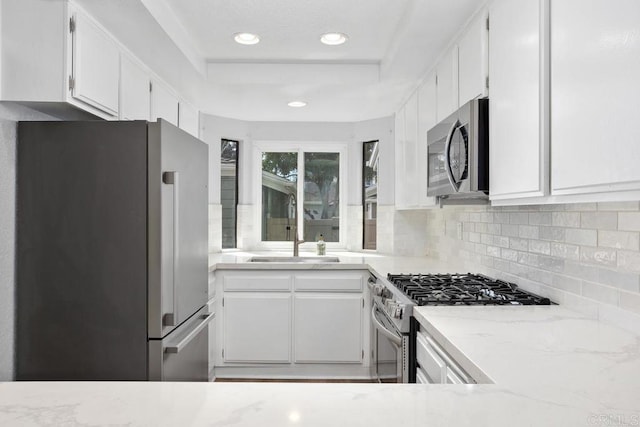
(183, 354)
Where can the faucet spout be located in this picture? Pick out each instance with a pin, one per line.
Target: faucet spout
(296, 241)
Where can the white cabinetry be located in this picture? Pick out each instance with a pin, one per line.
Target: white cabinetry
(188, 119)
(55, 57)
(447, 84)
(135, 95)
(595, 100)
(473, 57)
(411, 148)
(96, 64)
(328, 328)
(518, 101)
(400, 187)
(328, 317)
(406, 155)
(257, 328)
(164, 104)
(292, 323)
(427, 118)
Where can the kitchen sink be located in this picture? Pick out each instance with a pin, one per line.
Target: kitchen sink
(295, 259)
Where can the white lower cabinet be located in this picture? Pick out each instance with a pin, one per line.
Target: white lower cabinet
(257, 328)
(292, 323)
(328, 328)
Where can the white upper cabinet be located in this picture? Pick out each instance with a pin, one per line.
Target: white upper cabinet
(426, 120)
(518, 111)
(188, 119)
(447, 84)
(164, 104)
(473, 58)
(409, 167)
(135, 96)
(58, 59)
(595, 101)
(95, 65)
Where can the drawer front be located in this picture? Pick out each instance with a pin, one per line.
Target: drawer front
(434, 367)
(322, 282)
(257, 283)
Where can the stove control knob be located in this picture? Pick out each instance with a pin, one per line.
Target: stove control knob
(378, 290)
(399, 310)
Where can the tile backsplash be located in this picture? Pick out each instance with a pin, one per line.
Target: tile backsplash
(583, 255)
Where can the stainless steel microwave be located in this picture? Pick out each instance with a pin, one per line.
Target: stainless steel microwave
(458, 154)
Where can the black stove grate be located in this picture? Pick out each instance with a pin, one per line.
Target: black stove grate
(462, 289)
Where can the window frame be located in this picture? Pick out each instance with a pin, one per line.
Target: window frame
(300, 147)
(237, 191)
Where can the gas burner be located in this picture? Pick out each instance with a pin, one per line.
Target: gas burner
(462, 289)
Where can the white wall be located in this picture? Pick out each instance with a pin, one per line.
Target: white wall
(9, 115)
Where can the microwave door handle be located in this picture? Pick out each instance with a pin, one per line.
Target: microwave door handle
(447, 155)
(172, 178)
(384, 331)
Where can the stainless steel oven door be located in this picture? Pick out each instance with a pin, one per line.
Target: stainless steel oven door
(389, 349)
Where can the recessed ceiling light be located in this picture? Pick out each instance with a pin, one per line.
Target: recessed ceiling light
(246, 38)
(333, 39)
(297, 104)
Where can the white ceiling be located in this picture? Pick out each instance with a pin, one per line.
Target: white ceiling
(392, 43)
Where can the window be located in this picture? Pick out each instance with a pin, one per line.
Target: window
(370, 193)
(229, 192)
(279, 195)
(301, 188)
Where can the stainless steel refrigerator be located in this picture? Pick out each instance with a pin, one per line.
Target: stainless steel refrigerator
(112, 229)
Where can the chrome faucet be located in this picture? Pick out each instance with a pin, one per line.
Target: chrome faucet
(296, 241)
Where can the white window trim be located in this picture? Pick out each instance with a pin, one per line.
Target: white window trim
(300, 147)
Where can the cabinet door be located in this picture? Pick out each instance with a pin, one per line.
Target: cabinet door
(447, 81)
(409, 169)
(96, 65)
(518, 141)
(400, 187)
(328, 328)
(426, 120)
(473, 61)
(164, 105)
(135, 96)
(257, 328)
(595, 99)
(188, 119)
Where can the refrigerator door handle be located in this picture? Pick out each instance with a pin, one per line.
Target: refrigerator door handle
(186, 340)
(172, 178)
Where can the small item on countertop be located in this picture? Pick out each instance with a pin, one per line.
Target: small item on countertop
(322, 246)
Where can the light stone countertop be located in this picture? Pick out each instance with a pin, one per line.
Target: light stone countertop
(380, 264)
(551, 367)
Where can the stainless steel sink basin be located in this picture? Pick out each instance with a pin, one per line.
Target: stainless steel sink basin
(295, 259)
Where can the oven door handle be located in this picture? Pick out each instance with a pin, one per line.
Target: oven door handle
(384, 331)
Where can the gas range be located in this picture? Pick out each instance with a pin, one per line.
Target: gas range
(462, 289)
(401, 292)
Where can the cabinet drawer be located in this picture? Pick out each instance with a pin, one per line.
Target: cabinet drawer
(434, 367)
(329, 282)
(257, 283)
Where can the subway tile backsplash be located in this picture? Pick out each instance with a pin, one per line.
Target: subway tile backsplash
(583, 255)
